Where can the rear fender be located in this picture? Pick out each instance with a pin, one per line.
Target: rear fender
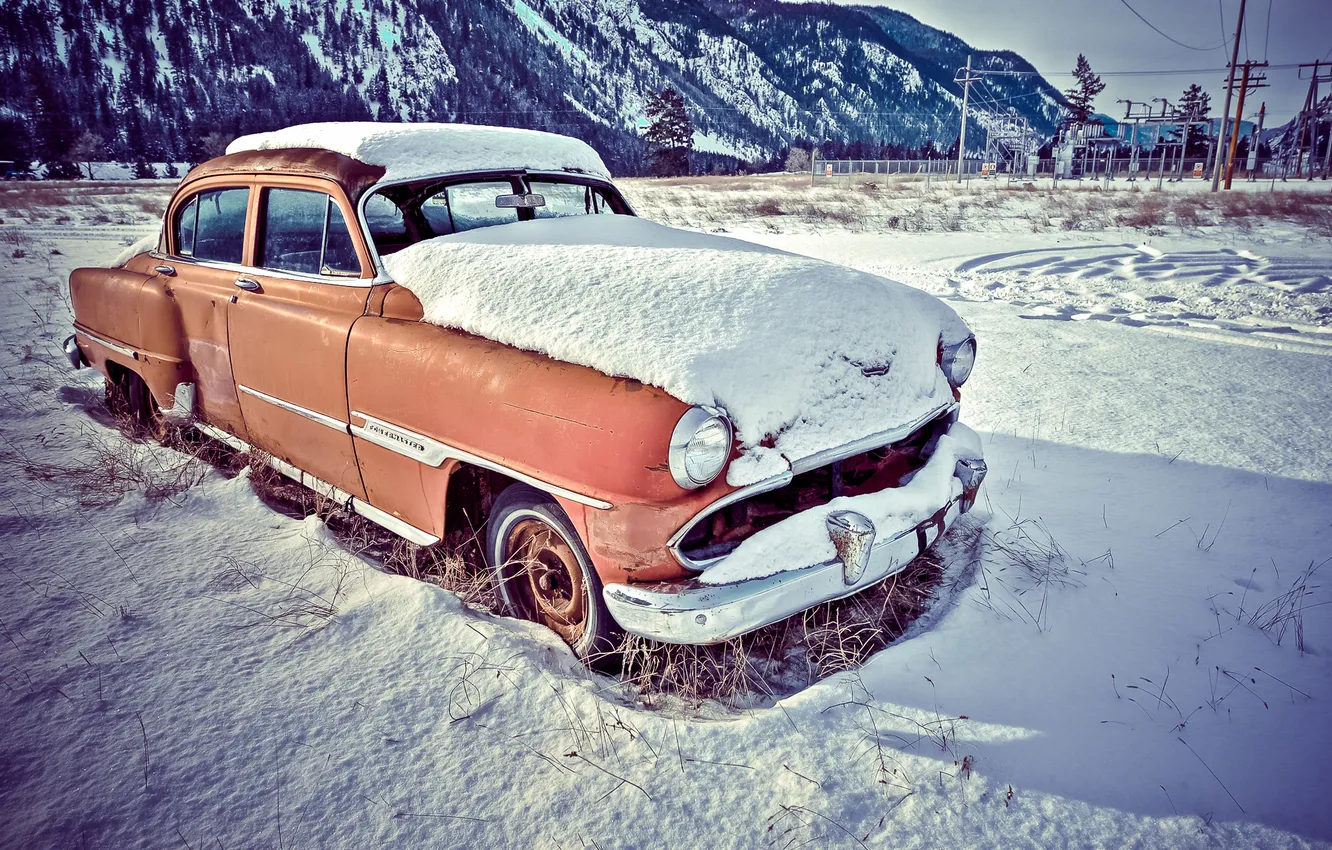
(128, 317)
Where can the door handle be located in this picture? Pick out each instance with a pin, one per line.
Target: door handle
(248, 284)
(169, 271)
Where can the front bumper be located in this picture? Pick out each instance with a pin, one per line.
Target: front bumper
(695, 612)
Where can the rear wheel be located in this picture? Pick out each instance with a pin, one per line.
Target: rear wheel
(544, 573)
(131, 401)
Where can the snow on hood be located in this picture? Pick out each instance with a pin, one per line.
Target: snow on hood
(780, 341)
(407, 151)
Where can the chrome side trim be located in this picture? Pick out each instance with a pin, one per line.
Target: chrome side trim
(432, 452)
(814, 461)
(427, 450)
(387, 520)
(312, 415)
(341, 497)
(114, 346)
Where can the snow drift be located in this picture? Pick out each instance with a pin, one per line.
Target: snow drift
(419, 150)
(803, 354)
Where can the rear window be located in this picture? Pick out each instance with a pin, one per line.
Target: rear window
(305, 232)
(212, 225)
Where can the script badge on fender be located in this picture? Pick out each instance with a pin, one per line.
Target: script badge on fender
(852, 535)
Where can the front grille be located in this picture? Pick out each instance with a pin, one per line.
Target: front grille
(869, 472)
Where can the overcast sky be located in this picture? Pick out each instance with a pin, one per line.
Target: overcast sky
(1051, 33)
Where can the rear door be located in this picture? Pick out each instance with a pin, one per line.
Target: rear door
(205, 254)
(294, 309)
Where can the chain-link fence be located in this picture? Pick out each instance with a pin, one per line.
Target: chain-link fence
(1163, 166)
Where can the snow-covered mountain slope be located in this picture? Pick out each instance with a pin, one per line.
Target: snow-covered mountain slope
(157, 77)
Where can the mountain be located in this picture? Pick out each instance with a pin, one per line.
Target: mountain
(168, 79)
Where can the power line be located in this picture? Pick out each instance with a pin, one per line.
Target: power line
(1267, 31)
(1168, 37)
(1171, 73)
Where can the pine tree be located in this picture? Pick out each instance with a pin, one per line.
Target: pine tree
(670, 134)
(1084, 91)
(1197, 104)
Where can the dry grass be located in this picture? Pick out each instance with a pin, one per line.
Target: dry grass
(778, 659)
(882, 203)
(1284, 614)
(84, 202)
(786, 656)
(108, 466)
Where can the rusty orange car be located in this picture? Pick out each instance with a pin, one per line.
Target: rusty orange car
(442, 327)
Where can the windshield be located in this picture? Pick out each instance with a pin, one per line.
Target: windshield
(402, 215)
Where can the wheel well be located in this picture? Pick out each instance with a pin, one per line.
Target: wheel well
(470, 495)
(115, 373)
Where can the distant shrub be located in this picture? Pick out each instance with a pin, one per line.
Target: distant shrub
(769, 206)
(1187, 214)
(1146, 212)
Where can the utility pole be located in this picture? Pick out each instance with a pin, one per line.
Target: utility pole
(1255, 141)
(1230, 86)
(1259, 82)
(966, 80)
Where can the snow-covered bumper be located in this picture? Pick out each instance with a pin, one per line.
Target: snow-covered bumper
(846, 546)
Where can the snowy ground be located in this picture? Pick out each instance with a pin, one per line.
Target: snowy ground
(189, 668)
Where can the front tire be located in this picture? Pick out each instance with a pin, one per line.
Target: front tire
(544, 573)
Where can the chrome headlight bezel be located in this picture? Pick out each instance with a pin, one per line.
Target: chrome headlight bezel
(958, 361)
(699, 422)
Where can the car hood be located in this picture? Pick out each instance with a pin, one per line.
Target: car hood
(803, 355)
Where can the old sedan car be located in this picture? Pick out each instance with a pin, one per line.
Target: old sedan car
(443, 327)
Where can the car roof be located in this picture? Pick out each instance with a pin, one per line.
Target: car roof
(353, 175)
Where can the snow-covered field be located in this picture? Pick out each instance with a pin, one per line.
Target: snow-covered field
(1136, 651)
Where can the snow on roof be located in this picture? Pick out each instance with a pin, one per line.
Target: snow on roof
(418, 150)
(782, 342)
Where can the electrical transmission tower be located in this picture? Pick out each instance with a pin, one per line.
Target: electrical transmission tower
(1311, 118)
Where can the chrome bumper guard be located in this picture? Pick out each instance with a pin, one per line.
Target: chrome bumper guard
(73, 353)
(690, 611)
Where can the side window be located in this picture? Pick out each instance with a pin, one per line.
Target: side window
(185, 220)
(218, 231)
(305, 232)
(339, 249)
(435, 210)
(566, 199)
(473, 205)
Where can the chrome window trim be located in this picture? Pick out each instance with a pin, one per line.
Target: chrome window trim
(381, 273)
(814, 461)
(432, 452)
(332, 280)
(240, 268)
(312, 415)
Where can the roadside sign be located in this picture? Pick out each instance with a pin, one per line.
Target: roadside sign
(827, 169)
(1197, 169)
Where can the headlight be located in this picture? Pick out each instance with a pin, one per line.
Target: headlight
(958, 360)
(700, 446)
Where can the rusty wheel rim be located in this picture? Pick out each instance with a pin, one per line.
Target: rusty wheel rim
(546, 577)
